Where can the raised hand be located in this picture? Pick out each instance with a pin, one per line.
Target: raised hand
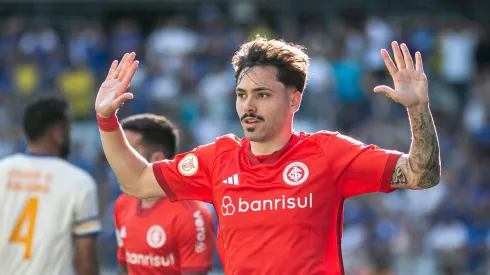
(112, 93)
(411, 86)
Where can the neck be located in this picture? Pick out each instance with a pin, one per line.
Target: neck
(147, 203)
(42, 149)
(272, 145)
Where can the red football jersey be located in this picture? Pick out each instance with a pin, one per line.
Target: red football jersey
(219, 249)
(280, 214)
(168, 238)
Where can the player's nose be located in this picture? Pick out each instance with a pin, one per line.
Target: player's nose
(249, 106)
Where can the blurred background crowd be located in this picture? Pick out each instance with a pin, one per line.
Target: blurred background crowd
(185, 74)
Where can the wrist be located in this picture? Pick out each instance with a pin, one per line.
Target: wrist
(418, 108)
(108, 124)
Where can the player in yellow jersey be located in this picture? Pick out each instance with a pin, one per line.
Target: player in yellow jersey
(48, 207)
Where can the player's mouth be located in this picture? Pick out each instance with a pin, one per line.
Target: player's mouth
(250, 122)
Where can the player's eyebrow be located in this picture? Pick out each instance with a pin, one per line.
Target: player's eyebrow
(256, 89)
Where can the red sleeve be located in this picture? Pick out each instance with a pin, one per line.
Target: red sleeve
(196, 240)
(121, 252)
(359, 168)
(188, 175)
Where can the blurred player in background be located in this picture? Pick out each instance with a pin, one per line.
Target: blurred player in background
(48, 207)
(279, 194)
(156, 236)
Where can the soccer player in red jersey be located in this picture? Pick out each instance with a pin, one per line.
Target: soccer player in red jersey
(156, 236)
(279, 194)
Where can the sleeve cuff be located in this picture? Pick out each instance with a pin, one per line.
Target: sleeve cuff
(88, 219)
(196, 269)
(157, 171)
(87, 235)
(87, 228)
(388, 173)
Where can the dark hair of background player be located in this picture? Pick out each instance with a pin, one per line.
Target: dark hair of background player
(157, 132)
(290, 60)
(43, 113)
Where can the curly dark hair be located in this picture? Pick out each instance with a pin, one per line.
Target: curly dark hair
(42, 113)
(290, 60)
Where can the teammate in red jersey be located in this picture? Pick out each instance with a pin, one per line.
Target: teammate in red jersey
(154, 235)
(278, 194)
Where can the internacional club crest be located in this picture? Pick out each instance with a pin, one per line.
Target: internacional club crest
(188, 165)
(295, 173)
(156, 237)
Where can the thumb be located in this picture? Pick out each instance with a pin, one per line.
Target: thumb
(122, 98)
(385, 90)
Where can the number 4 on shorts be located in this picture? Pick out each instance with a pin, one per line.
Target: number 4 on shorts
(28, 215)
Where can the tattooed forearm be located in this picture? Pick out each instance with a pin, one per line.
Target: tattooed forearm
(424, 159)
(399, 177)
(422, 168)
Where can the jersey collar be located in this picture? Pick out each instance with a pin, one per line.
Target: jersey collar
(145, 211)
(27, 153)
(272, 158)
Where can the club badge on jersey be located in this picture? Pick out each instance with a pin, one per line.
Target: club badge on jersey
(295, 173)
(156, 237)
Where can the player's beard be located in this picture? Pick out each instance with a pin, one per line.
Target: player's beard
(146, 154)
(253, 133)
(65, 148)
(257, 133)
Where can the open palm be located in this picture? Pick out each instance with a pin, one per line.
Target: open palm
(112, 93)
(411, 86)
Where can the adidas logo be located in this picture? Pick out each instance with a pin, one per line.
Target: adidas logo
(233, 180)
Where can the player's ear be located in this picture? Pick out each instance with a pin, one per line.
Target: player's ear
(296, 100)
(157, 156)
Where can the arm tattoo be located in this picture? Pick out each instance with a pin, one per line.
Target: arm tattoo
(423, 163)
(398, 177)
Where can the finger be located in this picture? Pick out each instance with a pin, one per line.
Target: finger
(119, 67)
(419, 65)
(129, 76)
(126, 66)
(389, 62)
(398, 56)
(122, 99)
(384, 90)
(112, 69)
(407, 56)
